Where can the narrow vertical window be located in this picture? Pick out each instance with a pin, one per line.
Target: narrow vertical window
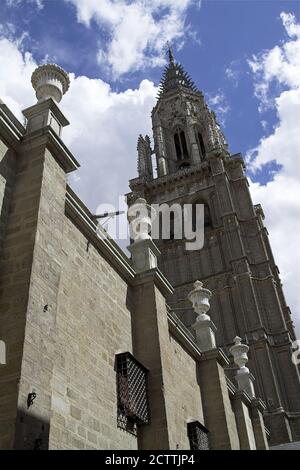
(180, 145)
(201, 144)
(183, 144)
(177, 146)
(172, 225)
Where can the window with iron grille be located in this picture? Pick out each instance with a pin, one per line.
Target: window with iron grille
(132, 392)
(198, 436)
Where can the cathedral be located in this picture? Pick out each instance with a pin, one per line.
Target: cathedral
(167, 348)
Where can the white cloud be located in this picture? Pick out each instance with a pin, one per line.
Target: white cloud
(219, 104)
(104, 124)
(137, 30)
(280, 67)
(16, 3)
(15, 72)
(233, 72)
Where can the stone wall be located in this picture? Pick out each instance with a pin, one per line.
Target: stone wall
(69, 303)
(182, 391)
(93, 324)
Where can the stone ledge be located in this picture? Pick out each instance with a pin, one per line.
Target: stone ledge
(11, 129)
(183, 335)
(218, 354)
(81, 217)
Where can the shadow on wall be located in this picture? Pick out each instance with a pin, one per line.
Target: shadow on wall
(32, 433)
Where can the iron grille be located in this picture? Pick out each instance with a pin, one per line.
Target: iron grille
(198, 436)
(132, 392)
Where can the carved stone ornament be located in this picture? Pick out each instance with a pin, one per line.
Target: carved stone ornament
(50, 81)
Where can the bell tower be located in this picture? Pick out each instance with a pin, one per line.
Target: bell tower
(236, 262)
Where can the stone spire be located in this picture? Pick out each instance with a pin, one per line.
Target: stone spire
(170, 53)
(175, 78)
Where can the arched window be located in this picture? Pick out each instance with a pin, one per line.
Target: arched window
(180, 145)
(201, 144)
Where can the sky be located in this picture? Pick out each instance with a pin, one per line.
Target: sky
(243, 54)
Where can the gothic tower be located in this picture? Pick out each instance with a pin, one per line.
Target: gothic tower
(236, 263)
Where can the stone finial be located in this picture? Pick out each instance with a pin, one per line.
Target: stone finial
(50, 81)
(204, 327)
(243, 377)
(200, 297)
(144, 252)
(239, 352)
(140, 216)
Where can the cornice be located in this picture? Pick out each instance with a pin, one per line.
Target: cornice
(182, 334)
(155, 276)
(217, 354)
(11, 129)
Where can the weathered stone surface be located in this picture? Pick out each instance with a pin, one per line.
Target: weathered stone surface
(71, 301)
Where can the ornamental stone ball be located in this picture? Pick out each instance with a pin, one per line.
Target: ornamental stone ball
(50, 81)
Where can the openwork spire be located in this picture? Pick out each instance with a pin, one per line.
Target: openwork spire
(175, 77)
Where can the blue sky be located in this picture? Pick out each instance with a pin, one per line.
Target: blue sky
(244, 55)
(227, 33)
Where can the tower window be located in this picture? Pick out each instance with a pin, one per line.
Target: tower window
(201, 144)
(177, 146)
(198, 436)
(183, 144)
(132, 392)
(180, 145)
